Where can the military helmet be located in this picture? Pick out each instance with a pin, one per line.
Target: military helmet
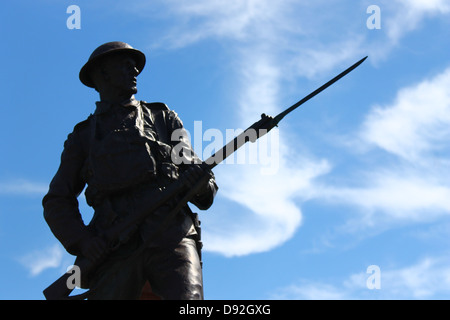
(104, 50)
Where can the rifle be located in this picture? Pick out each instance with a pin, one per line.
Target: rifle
(59, 290)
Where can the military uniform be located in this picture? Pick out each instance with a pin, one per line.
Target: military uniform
(122, 153)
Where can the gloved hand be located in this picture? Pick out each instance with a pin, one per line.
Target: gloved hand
(194, 174)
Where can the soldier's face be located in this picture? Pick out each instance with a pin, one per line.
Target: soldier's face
(121, 73)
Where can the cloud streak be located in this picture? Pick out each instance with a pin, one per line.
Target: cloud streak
(426, 279)
(38, 261)
(413, 133)
(268, 214)
(417, 124)
(408, 15)
(22, 187)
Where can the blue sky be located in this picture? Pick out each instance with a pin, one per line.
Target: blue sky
(357, 177)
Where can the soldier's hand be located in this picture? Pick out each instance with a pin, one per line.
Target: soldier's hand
(194, 174)
(94, 248)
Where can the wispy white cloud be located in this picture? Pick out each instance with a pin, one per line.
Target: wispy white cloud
(308, 290)
(424, 280)
(309, 39)
(417, 124)
(388, 198)
(414, 131)
(22, 187)
(268, 215)
(407, 15)
(40, 260)
(294, 35)
(429, 278)
(242, 21)
(399, 18)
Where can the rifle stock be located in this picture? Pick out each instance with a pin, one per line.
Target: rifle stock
(59, 290)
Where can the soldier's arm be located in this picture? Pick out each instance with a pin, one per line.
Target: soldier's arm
(205, 197)
(61, 210)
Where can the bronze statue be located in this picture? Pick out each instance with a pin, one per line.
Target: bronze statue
(123, 155)
(143, 232)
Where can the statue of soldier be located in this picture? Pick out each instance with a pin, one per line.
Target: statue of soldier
(121, 153)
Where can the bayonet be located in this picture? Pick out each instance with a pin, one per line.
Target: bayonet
(267, 123)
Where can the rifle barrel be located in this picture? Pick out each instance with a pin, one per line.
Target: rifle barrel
(317, 91)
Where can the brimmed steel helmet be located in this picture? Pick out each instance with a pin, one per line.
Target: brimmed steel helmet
(107, 49)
